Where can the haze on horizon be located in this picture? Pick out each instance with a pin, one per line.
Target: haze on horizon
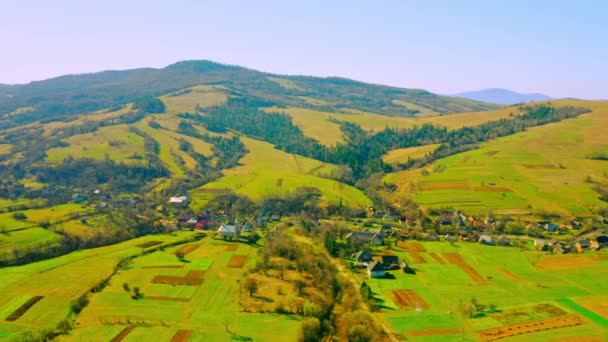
(553, 47)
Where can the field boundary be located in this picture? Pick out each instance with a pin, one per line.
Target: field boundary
(23, 309)
(529, 327)
(124, 332)
(594, 317)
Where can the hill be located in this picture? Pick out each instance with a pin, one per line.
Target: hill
(73, 94)
(556, 168)
(502, 96)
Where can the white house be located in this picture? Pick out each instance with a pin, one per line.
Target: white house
(179, 200)
(228, 231)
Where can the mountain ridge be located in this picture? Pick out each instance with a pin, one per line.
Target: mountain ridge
(502, 96)
(81, 93)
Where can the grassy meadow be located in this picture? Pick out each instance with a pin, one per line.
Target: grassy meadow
(61, 281)
(523, 285)
(402, 155)
(542, 169)
(268, 171)
(209, 311)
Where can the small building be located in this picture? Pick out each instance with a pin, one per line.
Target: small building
(485, 240)
(178, 201)
(558, 248)
(386, 230)
(550, 226)
(201, 224)
(228, 231)
(602, 240)
(363, 256)
(390, 262)
(376, 270)
(539, 244)
(247, 227)
(369, 238)
(77, 198)
(432, 236)
(192, 221)
(582, 244)
(185, 217)
(593, 245)
(407, 269)
(503, 241)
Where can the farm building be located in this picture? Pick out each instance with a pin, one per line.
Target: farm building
(386, 230)
(178, 201)
(485, 240)
(582, 244)
(390, 261)
(369, 238)
(539, 244)
(432, 236)
(228, 231)
(376, 270)
(602, 240)
(363, 256)
(503, 241)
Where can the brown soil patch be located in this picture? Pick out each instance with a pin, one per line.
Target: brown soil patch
(510, 274)
(126, 331)
(491, 153)
(539, 166)
(212, 190)
(167, 266)
(237, 261)
(437, 258)
(167, 299)
(512, 211)
(186, 249)
(529, 327)
(232, 248)
(173, 280)
(409, 299)
(444, 186)
(456, 259)
(418, 259)
(590, 338)
(149, 244)
(491, 189)
(279, 182)
(195, 274)
(412, 246)
(433, 332)
(564, 262)
(599, 257)
(181, 336)
(23, 308)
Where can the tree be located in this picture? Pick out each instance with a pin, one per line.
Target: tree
(311, 330)
(137, 293)
(251, 285)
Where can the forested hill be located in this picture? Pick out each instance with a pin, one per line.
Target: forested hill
(73, 94)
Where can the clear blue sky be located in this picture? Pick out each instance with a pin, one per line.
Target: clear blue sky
(556, 47)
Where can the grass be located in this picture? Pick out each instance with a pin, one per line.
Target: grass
(267, 171)
(61, 280)
(401, 155)
(445, 287)
(544, 168)
(115, 142)
(201, 96)
(213, 307)
(584, 312)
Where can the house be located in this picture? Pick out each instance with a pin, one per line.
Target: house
(185, 217)
(576, 224)
(550, 226)
(77, 198)
(247, 227)
(228, 231)
(390, 262)
(558, 248)
(582, 244)
(275, 218)
(432, 236)
(201, 224)
(363, 256)
(376, 270)
(192, 221)
(386, 230)
(602, 240)
(485, 240)
(593, 245)
(178, 201)
(369, 238)
(450, 238)
(503, 241)
(539, 244)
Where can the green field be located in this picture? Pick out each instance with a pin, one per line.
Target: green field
(402, 155)
(61, 280)
(544, 168)
(267, 171)
(209, 308)
(446, 287)
(115, 142)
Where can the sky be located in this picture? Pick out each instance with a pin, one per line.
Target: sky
(556, 47)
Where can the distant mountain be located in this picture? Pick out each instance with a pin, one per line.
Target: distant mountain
(502, 96)
(74, 94)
